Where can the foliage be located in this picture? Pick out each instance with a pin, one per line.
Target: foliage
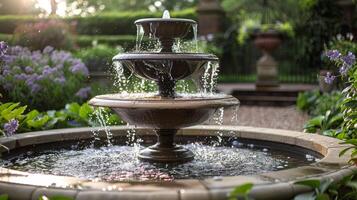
(127, 42)
(38, 35)
(326, 189)
(319, 189)
(250, 27)
(277, 10)
(43, 80)
(327, 124)
(6, 197)
(316, 103)
(322, 22)
(73, 115)
(106, 23)
(98, 57)
(241, 192)
(119, 23)
(346, 63)
(86, 7)
(86, 41)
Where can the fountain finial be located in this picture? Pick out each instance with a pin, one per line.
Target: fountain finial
(166, 14)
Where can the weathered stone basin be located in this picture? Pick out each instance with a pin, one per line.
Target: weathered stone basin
(270, 185)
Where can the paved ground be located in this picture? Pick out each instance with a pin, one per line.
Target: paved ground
(272, 117)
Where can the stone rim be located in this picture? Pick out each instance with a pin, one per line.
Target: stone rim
(177, 103)
(169, 20)
(265, 185)
(165, 56)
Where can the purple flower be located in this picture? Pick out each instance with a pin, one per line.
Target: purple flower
(61, 80)
(35, 88)
(11, 127)
(48, 50)
(333, 54)
(329, 78)
(28, 69)
(47, 71)
(3, 48)
(344, 69)
(20, 77)
(349, 59)
(83, 93)
(79, 67)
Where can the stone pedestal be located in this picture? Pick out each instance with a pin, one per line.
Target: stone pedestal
(267, 67)
(267, 71)
(210, 17)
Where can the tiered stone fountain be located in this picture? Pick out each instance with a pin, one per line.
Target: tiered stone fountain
(166, 112)
(64, 162)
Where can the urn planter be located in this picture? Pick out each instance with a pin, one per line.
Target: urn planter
(267, 67)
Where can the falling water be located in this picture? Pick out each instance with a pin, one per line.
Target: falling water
(194, 29)
(102, 118)
(209, 77)
(139, 36)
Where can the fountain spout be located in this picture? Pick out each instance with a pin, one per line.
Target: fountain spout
(166, 15)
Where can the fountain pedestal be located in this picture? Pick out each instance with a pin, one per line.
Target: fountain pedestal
(165, 150)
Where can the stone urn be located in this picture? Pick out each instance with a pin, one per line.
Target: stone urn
(267, 67)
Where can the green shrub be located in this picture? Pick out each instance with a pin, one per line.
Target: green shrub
(7, 38)
(39, 35)
(316, 103)
(8, 23)
(110, 23)
(99, 57)
(125, 41)
(15, 119)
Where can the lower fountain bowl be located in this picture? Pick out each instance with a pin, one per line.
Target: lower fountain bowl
(163, 113)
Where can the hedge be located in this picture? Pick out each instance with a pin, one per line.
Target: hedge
(107, 23)
(126, 41)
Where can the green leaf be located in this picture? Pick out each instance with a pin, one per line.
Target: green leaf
(4, 106)
(85, 111)
(344, 151)
(322, 197)
(310, 183)
(4, 197)
(352, 184)
(324, 184)
(16, 113)
(39, 122)
(241, 190)
(73, 108)
(32, 115)
(351, 103)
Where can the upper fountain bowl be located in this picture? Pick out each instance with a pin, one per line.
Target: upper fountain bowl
(166, 28)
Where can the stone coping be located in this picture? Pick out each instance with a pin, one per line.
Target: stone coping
(270, 185)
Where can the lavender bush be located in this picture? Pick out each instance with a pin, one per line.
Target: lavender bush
(43, 80)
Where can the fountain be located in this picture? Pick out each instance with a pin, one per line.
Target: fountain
(78, 164)
(166, 112)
